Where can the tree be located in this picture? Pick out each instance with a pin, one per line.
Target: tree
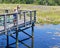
(57, 2)
(40, 2)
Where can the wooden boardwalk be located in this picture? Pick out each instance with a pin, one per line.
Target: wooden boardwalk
(25, 19)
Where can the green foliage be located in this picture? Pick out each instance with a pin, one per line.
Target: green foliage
(40, 2)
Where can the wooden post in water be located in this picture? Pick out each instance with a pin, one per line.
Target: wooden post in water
(17, 31)
(32, 45)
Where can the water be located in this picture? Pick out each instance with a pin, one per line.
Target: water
(45, 36)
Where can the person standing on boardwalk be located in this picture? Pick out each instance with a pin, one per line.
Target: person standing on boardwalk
(15, 15)
(18, 7)
(18, 10)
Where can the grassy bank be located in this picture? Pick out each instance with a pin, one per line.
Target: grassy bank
(45, 14)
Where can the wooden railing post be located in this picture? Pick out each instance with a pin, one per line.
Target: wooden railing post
(17, 21)
(5, 28)
(24, 13)
(31, 17)
(6, 11)
(34, 16)
(20, 14)
(5, 23)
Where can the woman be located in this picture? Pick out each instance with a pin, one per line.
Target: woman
(15, 14)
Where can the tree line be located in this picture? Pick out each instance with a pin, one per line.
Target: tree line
(39, 2)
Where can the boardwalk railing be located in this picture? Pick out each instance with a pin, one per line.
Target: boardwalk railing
(23, 16)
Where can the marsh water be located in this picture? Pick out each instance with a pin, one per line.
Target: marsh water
(45, 36)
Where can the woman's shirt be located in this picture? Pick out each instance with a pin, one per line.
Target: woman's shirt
(15, 14)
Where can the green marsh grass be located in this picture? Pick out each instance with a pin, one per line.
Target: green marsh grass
(45, 14)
